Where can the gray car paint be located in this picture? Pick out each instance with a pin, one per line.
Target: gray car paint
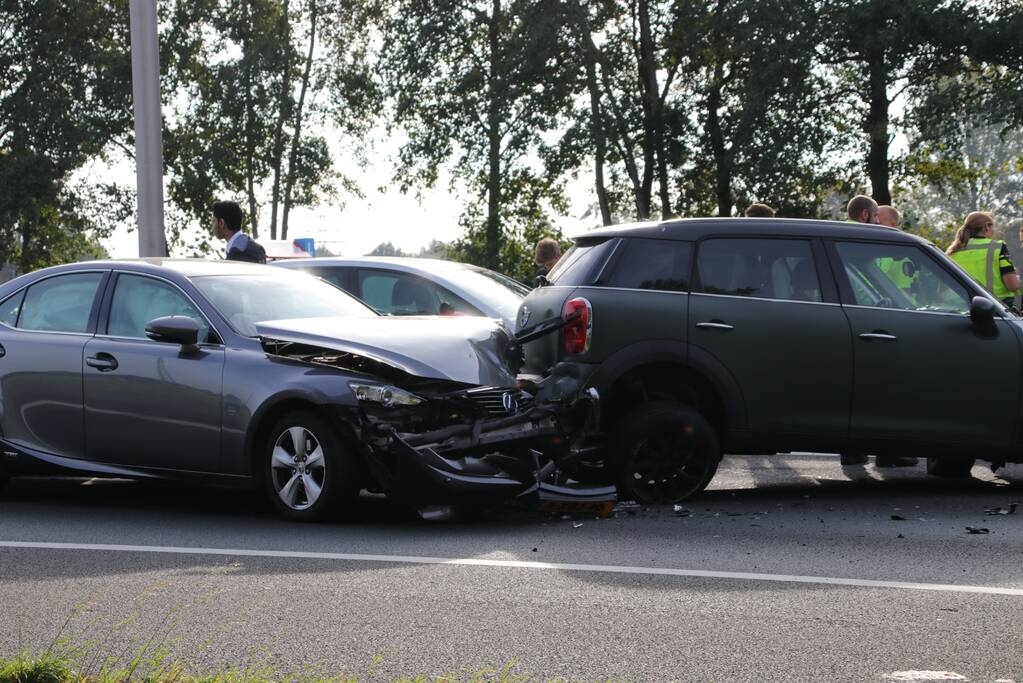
(466, 349)
(43, 404)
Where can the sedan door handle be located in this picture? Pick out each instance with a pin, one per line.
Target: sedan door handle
(715, 325)
(102, 361)
(878, 335)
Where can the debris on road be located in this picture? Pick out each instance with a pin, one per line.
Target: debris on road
(576, 525)
(977, 530)
(680, 510)
(1011, 510)
(625, 508)
(898, 518)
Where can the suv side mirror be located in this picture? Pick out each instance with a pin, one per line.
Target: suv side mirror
(175, 329)
(982, 313)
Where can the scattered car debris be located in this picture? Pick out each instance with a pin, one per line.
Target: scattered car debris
(680, 510)
(1011, 510)
(625, 508)
(900, 536)
(898, 518)
(576, 525)
(977, 530)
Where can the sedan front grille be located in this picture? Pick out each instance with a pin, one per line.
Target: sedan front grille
(499, 402)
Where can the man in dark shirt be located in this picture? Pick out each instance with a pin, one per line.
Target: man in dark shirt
(227, 225)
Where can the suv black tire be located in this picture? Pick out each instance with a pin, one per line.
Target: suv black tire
(952, 467)
(338, 478)
(665, 452)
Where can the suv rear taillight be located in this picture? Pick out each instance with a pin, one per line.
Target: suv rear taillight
(576, 333)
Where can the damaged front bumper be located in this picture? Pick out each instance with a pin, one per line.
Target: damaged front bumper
(493, 458)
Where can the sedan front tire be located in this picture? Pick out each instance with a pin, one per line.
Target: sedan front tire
(307, 471)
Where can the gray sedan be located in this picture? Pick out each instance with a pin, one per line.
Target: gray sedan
(246, 375)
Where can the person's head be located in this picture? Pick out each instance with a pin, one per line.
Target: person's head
(977, 224)
(227, 219)
(862, 209)
(547, 252)
(890, 216)
(759, 211)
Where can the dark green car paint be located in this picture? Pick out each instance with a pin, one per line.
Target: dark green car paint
(830, 374)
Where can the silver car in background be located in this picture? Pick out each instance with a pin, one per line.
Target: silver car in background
(421, 286)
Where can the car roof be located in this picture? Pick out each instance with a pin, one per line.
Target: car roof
(407, 263)
(182, 266)
(688, 229)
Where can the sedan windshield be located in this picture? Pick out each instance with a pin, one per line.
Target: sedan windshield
(245, 300)
(501, 293)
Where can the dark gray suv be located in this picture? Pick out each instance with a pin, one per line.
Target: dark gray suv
(706, 336)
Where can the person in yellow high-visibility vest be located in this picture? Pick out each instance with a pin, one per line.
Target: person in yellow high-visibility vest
(985, 258)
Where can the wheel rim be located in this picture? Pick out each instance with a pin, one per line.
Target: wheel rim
(297, 468)
(667, 466)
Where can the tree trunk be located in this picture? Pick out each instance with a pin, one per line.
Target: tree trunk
(722, 159)
(250, 142)
(494, 141)
(877, 128)
(284, 44)
(648, 88)
(596, 117)
(297, 137)
(653, 121)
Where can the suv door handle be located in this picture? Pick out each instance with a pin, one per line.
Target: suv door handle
(102, 361)
(715, 325)
(879, 335)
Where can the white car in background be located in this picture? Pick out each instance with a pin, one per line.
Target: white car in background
(420, 286)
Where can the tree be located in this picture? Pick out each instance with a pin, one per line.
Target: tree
(64, 99)
(468, 82)
(386, 249)
(246, 119)
(762, 124)
(883, 47)
(618, 109)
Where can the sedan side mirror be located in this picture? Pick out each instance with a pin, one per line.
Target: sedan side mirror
(982, 313)
(175, 329)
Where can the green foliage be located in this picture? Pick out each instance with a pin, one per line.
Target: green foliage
(64, 100)
(526, 218)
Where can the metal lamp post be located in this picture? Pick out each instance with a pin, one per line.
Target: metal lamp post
(145, 87)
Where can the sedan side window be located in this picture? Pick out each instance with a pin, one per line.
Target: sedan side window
(759, 268)
(10, 309)
(139, 299)
(900, 276)
(60, 304)
(401, 294)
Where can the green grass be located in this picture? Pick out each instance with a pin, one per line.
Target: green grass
(49, 668)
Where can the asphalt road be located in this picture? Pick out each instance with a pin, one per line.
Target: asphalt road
(789, 568)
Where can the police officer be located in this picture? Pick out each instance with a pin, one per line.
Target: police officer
(985, 258)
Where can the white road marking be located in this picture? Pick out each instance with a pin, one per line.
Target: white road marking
(515, 564)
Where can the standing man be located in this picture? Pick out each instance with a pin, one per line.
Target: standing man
(546, 256)
(227, 225)
(863, 209)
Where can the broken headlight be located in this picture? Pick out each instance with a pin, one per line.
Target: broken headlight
(383, 394)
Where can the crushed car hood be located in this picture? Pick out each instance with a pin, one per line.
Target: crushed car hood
(469, 350)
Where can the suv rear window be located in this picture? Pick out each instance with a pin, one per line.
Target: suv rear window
(580, 264)
(652, 264)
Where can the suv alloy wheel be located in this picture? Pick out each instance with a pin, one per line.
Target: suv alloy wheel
(666, 452)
